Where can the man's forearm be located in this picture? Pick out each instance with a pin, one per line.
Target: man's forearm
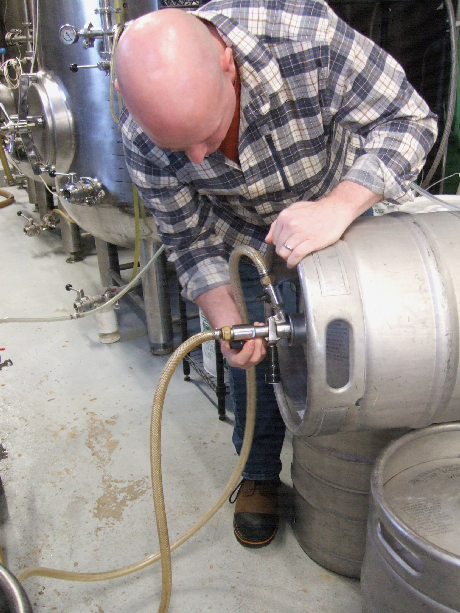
(308, 226)
(354, 197)
(219, 307)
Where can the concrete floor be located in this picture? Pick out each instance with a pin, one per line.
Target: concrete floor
(74, 420)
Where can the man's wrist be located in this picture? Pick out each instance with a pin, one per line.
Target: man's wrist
(356, 198)
(219, 307)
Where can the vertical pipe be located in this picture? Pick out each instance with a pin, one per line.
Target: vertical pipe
(103, 262)
(156, 300)
(221, 390)
(184, 334)
(71, 239)
(44, 200)
(32, 194)
(114, 263)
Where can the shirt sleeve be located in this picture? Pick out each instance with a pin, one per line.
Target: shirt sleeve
(392, 128)
(184, 218)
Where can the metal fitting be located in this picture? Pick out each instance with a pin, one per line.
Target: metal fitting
(85, 303)
(293, 330)
(86, 191)
(225, 333)
(32, 228)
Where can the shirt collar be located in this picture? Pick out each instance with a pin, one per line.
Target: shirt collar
(258, 69)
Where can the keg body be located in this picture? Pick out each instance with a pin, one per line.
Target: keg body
(412, 560)
(381, 311)
(331, 479)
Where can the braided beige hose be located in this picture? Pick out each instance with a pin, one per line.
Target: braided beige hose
(155, 441)
(155, 455)
(155, 432)
(261, 265)
(8, 198)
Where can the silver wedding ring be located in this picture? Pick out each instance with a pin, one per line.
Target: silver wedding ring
(287, 247)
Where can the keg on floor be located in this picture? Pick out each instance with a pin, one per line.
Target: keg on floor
(412, 560)
(13, 598)
(382, 320)
(331, 478)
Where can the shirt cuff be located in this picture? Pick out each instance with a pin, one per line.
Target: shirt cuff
(210, 274)
(369, 171)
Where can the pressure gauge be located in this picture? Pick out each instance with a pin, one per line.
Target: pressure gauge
(68, 34)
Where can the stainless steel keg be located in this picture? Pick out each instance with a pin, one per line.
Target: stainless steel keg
(331, 478)
(412, 560)
(381, 311)
(13, 597)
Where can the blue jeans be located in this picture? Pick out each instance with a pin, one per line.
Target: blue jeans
(264, 461)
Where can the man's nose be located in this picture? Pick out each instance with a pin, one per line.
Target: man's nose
(196, 153)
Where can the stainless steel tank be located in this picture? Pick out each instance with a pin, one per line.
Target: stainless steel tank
(412, 560)
(64, 133)
(13, 597)
(77, 131)
(331, 477)
(382, 318)
(65, 114)
(18, 19)
(18, 40)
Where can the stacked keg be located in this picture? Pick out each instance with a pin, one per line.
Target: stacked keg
(382, 348)
(331, 478)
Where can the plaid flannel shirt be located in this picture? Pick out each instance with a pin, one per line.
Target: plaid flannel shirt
(319, 103)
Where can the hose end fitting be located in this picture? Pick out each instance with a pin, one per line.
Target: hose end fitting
(267, 279)
(225, 333)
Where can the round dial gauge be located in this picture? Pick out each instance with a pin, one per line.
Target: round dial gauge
(68, 34)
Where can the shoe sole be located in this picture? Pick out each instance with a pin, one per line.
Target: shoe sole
(252, 544)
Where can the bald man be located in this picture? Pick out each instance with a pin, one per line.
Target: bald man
(261, 122)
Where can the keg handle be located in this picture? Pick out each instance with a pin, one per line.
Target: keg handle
(397, 552)
(334, 297)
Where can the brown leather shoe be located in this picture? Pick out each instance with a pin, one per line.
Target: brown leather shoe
(256, 512)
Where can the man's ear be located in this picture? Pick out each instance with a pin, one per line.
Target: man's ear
(116, 85)
(227, 63)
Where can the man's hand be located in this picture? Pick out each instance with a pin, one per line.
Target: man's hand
(305, 226)
(218, 305)
(252, 352)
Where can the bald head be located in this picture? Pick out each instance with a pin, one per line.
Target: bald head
(174, 73)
